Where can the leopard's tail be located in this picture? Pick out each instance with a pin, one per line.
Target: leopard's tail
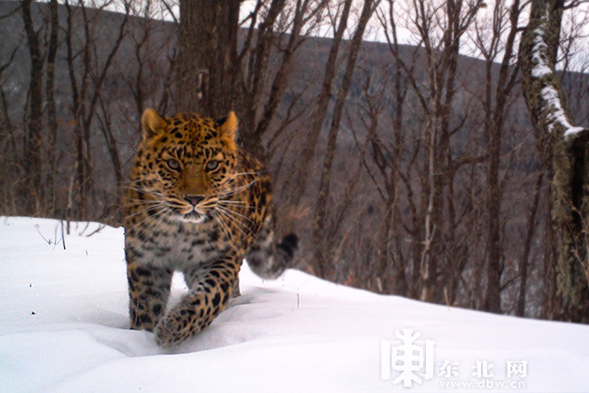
(269, 258)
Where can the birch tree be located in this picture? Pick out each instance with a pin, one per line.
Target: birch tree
(563, 148)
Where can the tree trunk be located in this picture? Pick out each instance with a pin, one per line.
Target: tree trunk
(524, 260)
(279, 83)
(257, 77)
(205, 73)
(33, 154)
(318, 116)
(495, 108)
(319, 239)
(564, 151)
(51, 108)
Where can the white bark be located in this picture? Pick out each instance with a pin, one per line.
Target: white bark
(551, 101)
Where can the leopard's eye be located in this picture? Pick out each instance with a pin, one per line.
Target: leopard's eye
(212, 165)
(173, 164)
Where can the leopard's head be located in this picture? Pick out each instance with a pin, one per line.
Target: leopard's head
(184, 164)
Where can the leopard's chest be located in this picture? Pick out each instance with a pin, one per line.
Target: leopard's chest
(178, 246)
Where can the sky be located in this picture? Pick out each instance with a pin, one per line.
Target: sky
(406, 33)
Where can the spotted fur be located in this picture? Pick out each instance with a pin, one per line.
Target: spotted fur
(196, 204)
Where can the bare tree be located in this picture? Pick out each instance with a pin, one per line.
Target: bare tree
(439, 29)
(319, 217)
(32, 195)
(52, 123)
(86, 91)
(322, 102)
(563, 149)
(386, 156)
(495, 45)
(283, 21)
(9, 160)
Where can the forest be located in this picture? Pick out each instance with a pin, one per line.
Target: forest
(409, 141)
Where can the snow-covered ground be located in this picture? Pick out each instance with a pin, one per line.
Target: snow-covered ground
(63, 328)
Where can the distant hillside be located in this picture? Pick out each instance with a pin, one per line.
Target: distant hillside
(313, 54)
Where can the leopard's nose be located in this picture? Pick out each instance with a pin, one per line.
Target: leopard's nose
(194, 199)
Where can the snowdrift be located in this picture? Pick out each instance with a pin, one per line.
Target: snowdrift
(64, 328)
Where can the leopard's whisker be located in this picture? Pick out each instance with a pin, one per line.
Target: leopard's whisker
(236, 222)
(240, 204)
(234, 212)
(239, 189)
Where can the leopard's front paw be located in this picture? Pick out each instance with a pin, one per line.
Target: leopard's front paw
(187, 319)
(173, 330)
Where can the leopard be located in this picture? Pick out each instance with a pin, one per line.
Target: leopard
(198, 204)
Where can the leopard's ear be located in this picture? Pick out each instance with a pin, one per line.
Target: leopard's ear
(153, 123)
(228, 127)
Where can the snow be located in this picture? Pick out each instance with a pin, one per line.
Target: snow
(64, 328)
(539, 55)
(556, 113)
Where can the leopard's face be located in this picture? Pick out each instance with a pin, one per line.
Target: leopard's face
(185, 165)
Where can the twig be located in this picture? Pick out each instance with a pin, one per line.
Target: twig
(62, 235)
(100, 228)
(39, 232)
